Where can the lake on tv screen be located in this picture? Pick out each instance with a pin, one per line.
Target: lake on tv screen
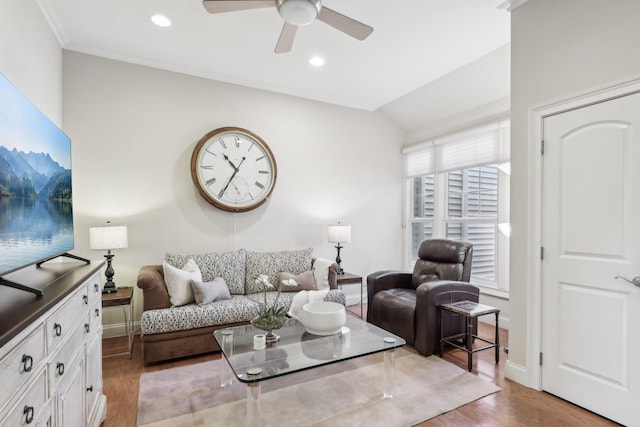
(33, 229)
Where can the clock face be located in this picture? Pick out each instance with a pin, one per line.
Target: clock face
(233, 169)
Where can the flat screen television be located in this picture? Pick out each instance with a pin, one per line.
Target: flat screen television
(36, 203)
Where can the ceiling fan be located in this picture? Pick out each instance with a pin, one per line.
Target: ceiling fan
(296, 13)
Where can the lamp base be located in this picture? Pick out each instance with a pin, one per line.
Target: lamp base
(338, 259)
(109, 285)
(109, 288)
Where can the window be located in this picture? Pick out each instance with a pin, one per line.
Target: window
(458, 188)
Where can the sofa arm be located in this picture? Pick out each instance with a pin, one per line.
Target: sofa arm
(154, 289)
(333, 276)
(387, 279)
(429, 296)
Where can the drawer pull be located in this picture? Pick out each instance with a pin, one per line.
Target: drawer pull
(97, 312)
(60, 368)
(86, 327)
(28, 414)
(90, 388)
(96, 287)
(85, 298)
(57, 329)
(27, 362)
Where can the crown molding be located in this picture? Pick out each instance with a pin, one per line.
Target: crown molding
(53, 21)
(511, 5)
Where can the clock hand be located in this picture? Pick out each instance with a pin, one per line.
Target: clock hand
(233, 175)
(230, 162)
(228, 182)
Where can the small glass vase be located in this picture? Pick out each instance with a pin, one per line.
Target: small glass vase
(268, 323)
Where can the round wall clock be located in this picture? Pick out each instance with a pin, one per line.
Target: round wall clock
(233, 169)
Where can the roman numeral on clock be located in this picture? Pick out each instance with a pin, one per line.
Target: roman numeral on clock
(222, 143)
(260, 186)
(210, 181)
(264, 172)
(208, 167)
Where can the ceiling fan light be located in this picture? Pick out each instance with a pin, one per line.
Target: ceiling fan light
(299, 12)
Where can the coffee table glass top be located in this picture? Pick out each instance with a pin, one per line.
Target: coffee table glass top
(298, 350)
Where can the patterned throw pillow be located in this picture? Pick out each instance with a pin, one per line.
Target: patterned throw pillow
(208, 292)
(228, 265)
(272, 263)
(179, 282)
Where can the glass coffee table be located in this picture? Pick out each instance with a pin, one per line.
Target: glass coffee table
(297, 351)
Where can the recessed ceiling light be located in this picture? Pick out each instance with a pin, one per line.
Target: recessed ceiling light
(317, 61)
(161, 21)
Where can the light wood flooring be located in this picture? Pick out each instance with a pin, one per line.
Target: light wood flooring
(515, 405)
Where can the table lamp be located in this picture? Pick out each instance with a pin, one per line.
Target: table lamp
(108, 237)
(339, 234)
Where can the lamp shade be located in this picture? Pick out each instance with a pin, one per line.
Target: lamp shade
(109, 237)
(339, 233)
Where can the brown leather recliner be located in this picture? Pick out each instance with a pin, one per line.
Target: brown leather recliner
(406, 304)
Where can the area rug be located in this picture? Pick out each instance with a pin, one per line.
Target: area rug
(348, 393)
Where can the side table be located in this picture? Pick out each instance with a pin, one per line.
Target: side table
(471, 311)
(349, 279)
(123, 297)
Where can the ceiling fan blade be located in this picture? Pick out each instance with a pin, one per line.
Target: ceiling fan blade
(285, 42)
(220, 6)
(349, 26)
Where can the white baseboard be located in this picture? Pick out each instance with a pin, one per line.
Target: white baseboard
(355, 299)
(118, 330)
(517, 373)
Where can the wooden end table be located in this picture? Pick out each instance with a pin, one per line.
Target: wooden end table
(349, 279)
(123, 297)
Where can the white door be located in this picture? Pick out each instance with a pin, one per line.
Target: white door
(591, 234)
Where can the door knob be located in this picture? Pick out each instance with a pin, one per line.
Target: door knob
(635, 281)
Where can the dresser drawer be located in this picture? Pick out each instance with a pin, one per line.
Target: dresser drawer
(93, 288)
(21, 363)
(95, 317)
(61, 361)
(61, 322)
(30, 406)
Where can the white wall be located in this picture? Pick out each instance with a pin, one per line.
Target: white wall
(559, 49)
(30, 56)
(133, 131)
(470, 95)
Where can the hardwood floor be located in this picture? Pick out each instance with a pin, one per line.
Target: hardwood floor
(515, 405)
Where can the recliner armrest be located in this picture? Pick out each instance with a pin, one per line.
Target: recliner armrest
(429, 296)
(387, 279)
(154, 289)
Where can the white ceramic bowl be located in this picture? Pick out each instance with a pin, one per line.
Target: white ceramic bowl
(323, 318)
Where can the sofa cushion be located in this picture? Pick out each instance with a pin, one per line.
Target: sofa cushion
(208, 292)
(239, 308)
(228, 265)
(272, 263)
(178, 282)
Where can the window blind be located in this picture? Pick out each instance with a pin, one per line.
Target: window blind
(478, 146)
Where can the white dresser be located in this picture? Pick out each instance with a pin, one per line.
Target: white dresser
(51, 353)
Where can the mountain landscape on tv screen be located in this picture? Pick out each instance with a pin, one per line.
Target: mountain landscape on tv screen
(36, 214)
(33, 175)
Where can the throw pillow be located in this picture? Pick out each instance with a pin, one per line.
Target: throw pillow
(228, 265)
(306, 281)
(208, 292)
(179, 282)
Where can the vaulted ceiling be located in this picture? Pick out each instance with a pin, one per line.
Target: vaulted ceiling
(414, 43)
